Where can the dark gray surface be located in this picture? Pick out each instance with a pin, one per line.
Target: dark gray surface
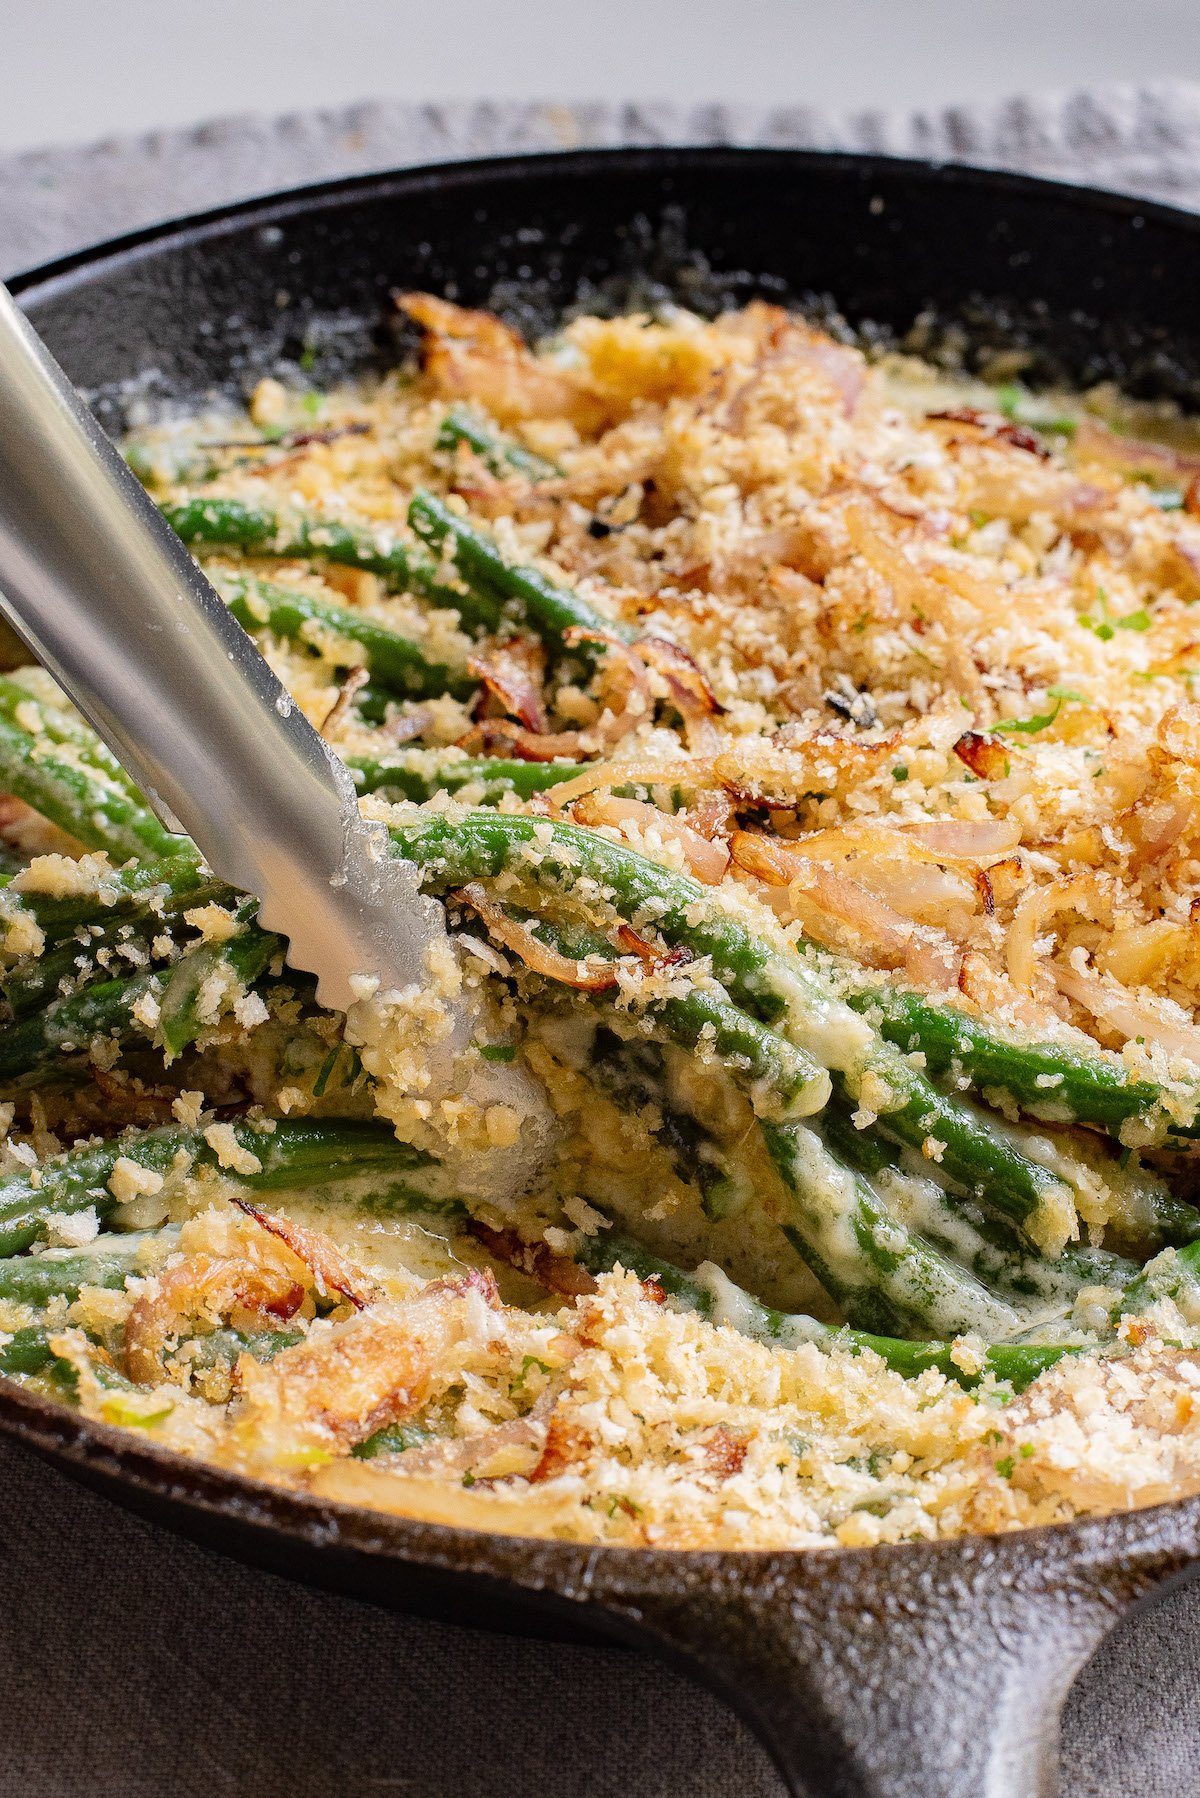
(138, 1666)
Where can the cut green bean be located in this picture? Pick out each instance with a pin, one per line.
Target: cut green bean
(781, 1080)
(421, 773)
(63, 1273)
(92, 951)
(396, 665)
(709, 1293)
(81, 799)
(294, 1154)
(152, 888)
(632, 1075)
(988, 1246)
(114, 1009)
(218, 522)
(500, 454)
(1053, 1080)
(547, 608)
(886, 1278)
(786, 992)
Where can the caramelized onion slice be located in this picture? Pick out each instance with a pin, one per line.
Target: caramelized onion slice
(708, 861)
(203, 1288)
(331, 1269)
(1095, 442)
(949, 842)
(1120, 1011)
(630, 774)
(842, 914)
(1080, 893)
(512, 672)
(588, 976)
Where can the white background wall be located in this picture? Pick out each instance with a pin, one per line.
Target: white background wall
(74, 70)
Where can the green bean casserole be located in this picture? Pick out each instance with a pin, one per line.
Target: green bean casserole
(803, 748)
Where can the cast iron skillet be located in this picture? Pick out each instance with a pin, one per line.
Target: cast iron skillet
(930, 1669)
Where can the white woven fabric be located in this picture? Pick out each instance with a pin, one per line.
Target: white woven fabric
(137, 1666)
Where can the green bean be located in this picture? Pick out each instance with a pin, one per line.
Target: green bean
(548, 609)
(781, 1080)
(396, 665)
(27, 1351)
(99, 812)
(787, 992)
(989, 1247)
(634, 1080)
(109, 1008)
(218, 522)
(419, 774)
(295, 1154)
(79, 959)
(147, 889)
(886, 1278)
(1170, 1276)
(711, 1295)
(393, 1439)
(237, 962)
(62, 1273)
(498, 453)
(225, 1345)
(62, 726)
(1054, 1080)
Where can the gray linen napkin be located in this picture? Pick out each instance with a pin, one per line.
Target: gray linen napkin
(139, 1666)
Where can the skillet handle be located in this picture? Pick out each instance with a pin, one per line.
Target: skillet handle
(932, 1671)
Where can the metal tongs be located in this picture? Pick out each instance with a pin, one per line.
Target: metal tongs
(107, 598)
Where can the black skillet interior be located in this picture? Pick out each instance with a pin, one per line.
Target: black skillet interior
(1087, 287)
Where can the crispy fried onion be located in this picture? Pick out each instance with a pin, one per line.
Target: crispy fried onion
(986, 757)
(843, 914)
(339, 1389)
(1172, 805)
(1080, 893)
(629, 774)
(340, 1386)
(993, 426)
(558, 1273)
(791, 768)
(1124, 1014)
(712, 815)
(688, 688)
(927, 598)
(591, 975)
(204, 1290)
(473, 355)
(707, 860)
(949, 842)
(513, 672)
(635, 700)
(339, 711)
(787, 340)
(331, 1270)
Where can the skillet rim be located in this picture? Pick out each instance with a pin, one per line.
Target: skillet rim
(121, 1457)
(313, 196)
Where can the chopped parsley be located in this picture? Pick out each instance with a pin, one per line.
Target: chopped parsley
(1043, 720)
(1102, 624)
(497, 1051)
